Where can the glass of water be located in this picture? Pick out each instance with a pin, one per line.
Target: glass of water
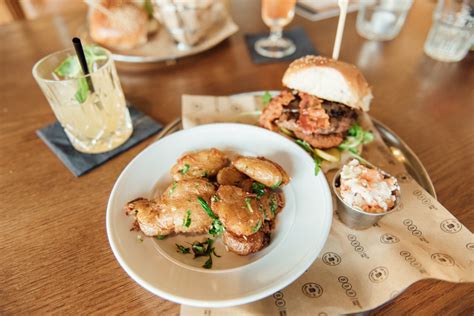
(91, 108)
(452, 31)
(382, 20)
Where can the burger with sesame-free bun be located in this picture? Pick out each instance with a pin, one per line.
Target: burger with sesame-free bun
(320, 106)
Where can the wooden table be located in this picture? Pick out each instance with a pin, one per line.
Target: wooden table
(55, 256)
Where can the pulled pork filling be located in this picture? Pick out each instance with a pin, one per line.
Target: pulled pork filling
(321, 123)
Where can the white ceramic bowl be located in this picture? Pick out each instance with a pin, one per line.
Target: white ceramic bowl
(302, 227)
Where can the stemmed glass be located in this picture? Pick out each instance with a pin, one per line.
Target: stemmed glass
(276, 14)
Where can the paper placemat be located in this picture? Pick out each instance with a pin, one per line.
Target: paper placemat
(356, 270)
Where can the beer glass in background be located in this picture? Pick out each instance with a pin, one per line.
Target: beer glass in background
(95, 120)
(382, 20)
(452, 31)
(276, 14)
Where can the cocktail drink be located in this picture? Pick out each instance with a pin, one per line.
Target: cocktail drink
(91, 108)
(276, 14)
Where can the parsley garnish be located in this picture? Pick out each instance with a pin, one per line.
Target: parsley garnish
(258, 189)
(160, 237)
(182, 249)
(216, 228)
(173, 188)
(206, 208)
(257, 227)
(249, 206)
(266, 98)
(305, 145)
(214, 198)
(273, 205)
(317, 164)
(201, 249)
(187, 220)
(185, 169)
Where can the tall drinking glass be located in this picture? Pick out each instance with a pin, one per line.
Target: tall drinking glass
(452, 31)
(276, 14)
(94, 119)
(382, 20)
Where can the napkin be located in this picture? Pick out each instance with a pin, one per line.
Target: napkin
(297, 35)
(79, 163)
(356, 270)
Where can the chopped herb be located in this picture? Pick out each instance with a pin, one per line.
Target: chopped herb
(185, 169)
(205, 174)
(82, 91)
(206, 208)
(208, 263)
(317, 164)
(136, 212)
(258, 189)
(182, 249)
(266, 98)
(214, 198)
(187, 220)
(273, 205)
(262, 209)
(276, 185)
(305, 145)
(160, 237)
(173, 188)
(257, 227)
(249, 205)
(139, 238)
(148, 7)
(355, 137)
(216, 228)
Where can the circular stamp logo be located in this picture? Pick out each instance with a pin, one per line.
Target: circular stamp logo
(405, 253)
(470, 246)
(331, 258)
(450, 226)
(394, 294)
(351, 237)
(312, 290)
(378, 274)
(442, 259)
(278, 295)
(389, 239)
(343, 279)
(407, 222)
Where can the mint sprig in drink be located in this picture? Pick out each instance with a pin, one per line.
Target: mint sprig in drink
(91, 108)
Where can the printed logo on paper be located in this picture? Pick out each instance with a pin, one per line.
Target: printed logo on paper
(470, 246)
(414, 230)
(443, 259)
(312, 290)
(378, 275)
(424, 198)
(389, 239)
(331, 258)
(349, 291)
(412, 261)
(280, 302)
(450, 226)
(357, 246)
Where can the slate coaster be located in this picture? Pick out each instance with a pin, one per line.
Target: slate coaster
(79, 163)
(304, 46)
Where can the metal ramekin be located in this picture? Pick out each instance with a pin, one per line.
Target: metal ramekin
(355, 217)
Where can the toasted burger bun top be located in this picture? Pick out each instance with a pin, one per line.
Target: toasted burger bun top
(329, 79)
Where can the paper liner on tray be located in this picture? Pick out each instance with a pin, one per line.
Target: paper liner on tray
(356, 270)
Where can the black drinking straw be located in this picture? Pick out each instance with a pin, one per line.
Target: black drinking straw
(82, 60)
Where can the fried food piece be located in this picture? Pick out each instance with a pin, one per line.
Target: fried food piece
(322, 141)
(270, 203)
(178, 210)
(262, 170)
(199, 164)
(245, 246)
(231, 176)
(146, 213)
(237, 210)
